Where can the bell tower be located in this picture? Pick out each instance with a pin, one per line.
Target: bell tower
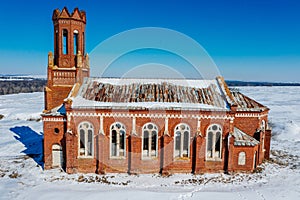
(70, 63)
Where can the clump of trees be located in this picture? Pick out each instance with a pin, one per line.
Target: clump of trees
(21, 86)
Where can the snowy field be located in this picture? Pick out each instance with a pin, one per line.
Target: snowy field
(21, 177)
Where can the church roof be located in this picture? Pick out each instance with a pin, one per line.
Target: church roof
(171, 94)
(151, 93)
(244, 103)
(243, 139)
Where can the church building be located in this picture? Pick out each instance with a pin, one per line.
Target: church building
(106, 125)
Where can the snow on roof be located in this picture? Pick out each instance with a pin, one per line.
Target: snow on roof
(243, 139)
(150, 93)
(245, 103)
(57, 111)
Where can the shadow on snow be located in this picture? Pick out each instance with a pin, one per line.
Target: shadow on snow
(32, 141)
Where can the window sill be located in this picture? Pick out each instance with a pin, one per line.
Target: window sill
(213, 159)
(85, 157)
(149, 158)
(117, 158)
(182, 159)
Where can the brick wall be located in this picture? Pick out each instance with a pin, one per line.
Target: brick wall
(53, 134)
(133, 162)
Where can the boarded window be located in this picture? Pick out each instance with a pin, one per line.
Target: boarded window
(242, 158)
(57, 156)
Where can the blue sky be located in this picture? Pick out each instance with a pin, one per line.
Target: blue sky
(247, 39)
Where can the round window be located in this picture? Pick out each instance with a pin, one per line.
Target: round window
(56, 130)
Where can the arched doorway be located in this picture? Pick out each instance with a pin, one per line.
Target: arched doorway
(57, 156)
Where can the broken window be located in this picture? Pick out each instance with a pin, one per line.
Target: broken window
(117, 140)
(86, 143)
(150, 140)
(182, 141)
(214, 142)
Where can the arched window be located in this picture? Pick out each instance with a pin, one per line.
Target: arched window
(65, 41)
(242, 158)
(86, 141)
(117, 140)
(56, 44)
(83, 43)
(75, 42)
(263, 126)
(213, 142)
(182, 141)
(150, 138)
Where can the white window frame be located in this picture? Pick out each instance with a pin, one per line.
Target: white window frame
(179, 128)
(214, 155)
(118, 139)
(148, 155)
(85, 126)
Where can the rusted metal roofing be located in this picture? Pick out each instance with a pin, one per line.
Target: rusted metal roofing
(245, 103)
(161, 92)
(243, 139)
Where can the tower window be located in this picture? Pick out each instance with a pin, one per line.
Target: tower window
(83, 43)
(65, 41)
(56, 43)
(75, 42)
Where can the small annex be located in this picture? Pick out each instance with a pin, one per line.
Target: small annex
(106, 125)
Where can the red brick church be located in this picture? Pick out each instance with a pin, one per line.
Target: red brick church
(105, 125)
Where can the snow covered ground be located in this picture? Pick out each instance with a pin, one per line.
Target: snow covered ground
(22, 178)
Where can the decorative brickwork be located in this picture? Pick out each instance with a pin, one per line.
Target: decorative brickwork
(90, 127)
(70, 63)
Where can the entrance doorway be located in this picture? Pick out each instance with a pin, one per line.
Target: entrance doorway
(57, 156)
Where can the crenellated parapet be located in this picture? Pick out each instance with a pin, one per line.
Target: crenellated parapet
(65, 15)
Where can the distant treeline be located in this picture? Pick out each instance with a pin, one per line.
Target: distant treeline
(21, 86)
(250, 83)
(36, 85)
